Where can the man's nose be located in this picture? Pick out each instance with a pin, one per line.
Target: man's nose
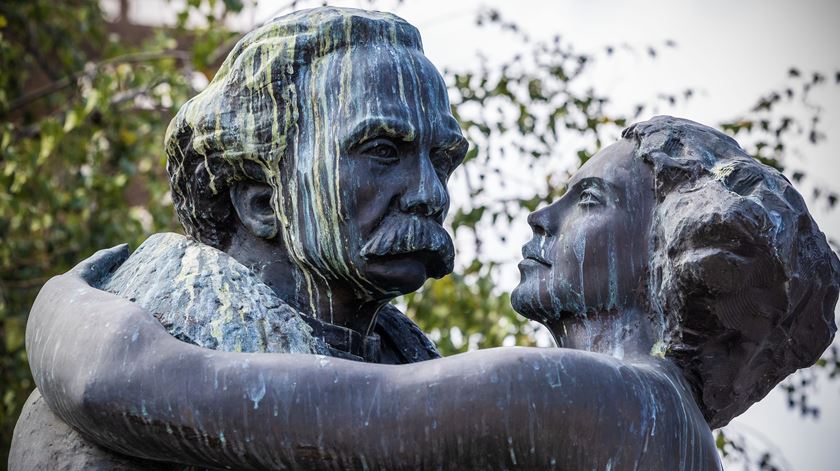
(425, 193)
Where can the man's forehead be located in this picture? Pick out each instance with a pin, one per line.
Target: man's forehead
(383, 73)
(389, 87)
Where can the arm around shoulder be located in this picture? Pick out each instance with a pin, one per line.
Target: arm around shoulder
(110, 369)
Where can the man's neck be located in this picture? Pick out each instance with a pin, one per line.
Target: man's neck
(308, 293)
(620, 334)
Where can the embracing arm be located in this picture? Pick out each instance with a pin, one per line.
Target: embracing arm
(110, 369)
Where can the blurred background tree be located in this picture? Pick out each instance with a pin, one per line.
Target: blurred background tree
(84, 103)
(86, 95)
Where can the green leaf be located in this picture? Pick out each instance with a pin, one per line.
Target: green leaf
(48, 141)
(71, 120)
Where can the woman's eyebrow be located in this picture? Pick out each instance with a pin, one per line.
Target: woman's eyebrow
(596, 182)
(589, 182)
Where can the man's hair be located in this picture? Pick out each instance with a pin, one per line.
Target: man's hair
(742, 283)
(248, 120)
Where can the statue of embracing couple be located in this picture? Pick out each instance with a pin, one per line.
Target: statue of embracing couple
(680, 278)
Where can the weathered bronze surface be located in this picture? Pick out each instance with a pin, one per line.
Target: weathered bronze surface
(681, 279)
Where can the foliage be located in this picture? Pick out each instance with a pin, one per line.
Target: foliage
(82, 162)
(464, 311)
(81, 165)
(737, 448)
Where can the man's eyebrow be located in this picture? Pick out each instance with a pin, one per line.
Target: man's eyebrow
(449, 134)
(377, 126)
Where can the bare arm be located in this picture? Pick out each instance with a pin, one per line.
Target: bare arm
(109, 368)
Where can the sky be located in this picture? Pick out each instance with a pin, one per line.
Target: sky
(729, 51)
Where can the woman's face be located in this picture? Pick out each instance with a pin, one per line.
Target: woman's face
(589, 251)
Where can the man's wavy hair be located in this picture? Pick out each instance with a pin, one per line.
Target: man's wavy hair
(742, 281)
(247, 123)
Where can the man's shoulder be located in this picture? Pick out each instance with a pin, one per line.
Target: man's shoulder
(204, 296)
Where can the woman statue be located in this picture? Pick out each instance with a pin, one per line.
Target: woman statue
(681, 279)
(673, 243)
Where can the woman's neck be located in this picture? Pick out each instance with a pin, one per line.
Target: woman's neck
(620, 334)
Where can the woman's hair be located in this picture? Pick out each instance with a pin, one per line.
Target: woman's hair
(247, 122)
(742, 283)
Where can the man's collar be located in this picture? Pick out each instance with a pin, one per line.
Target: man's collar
(345, 343)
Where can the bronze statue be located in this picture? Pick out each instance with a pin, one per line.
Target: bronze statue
(681, 279)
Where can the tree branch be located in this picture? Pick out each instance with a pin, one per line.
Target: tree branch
(67, 81)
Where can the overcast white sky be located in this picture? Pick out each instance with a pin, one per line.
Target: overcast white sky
(731, 51)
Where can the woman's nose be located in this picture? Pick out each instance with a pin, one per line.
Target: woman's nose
(539, 221)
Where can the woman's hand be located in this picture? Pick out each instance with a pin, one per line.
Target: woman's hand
(101, 263)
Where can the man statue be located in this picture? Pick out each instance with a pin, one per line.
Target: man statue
(310, 176)
(318, 158)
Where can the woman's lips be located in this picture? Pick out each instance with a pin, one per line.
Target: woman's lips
(529, 252)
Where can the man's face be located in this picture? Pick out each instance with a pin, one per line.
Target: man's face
(389, 144)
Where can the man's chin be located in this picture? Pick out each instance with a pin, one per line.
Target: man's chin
(405, 273)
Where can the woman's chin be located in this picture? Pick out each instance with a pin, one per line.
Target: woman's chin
(525, 301)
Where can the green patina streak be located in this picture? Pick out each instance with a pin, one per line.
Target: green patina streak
(723, 170)
(187, 274)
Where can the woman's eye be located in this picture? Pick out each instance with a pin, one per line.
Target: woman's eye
(380, 149)
(589, 197)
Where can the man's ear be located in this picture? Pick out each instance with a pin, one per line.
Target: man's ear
(252, 202)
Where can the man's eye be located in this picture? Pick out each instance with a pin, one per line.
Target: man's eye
(589, 197)
(380, 149)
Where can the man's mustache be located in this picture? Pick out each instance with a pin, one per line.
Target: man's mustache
(403, 234)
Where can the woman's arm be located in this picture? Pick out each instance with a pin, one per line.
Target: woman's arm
(110, 369)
